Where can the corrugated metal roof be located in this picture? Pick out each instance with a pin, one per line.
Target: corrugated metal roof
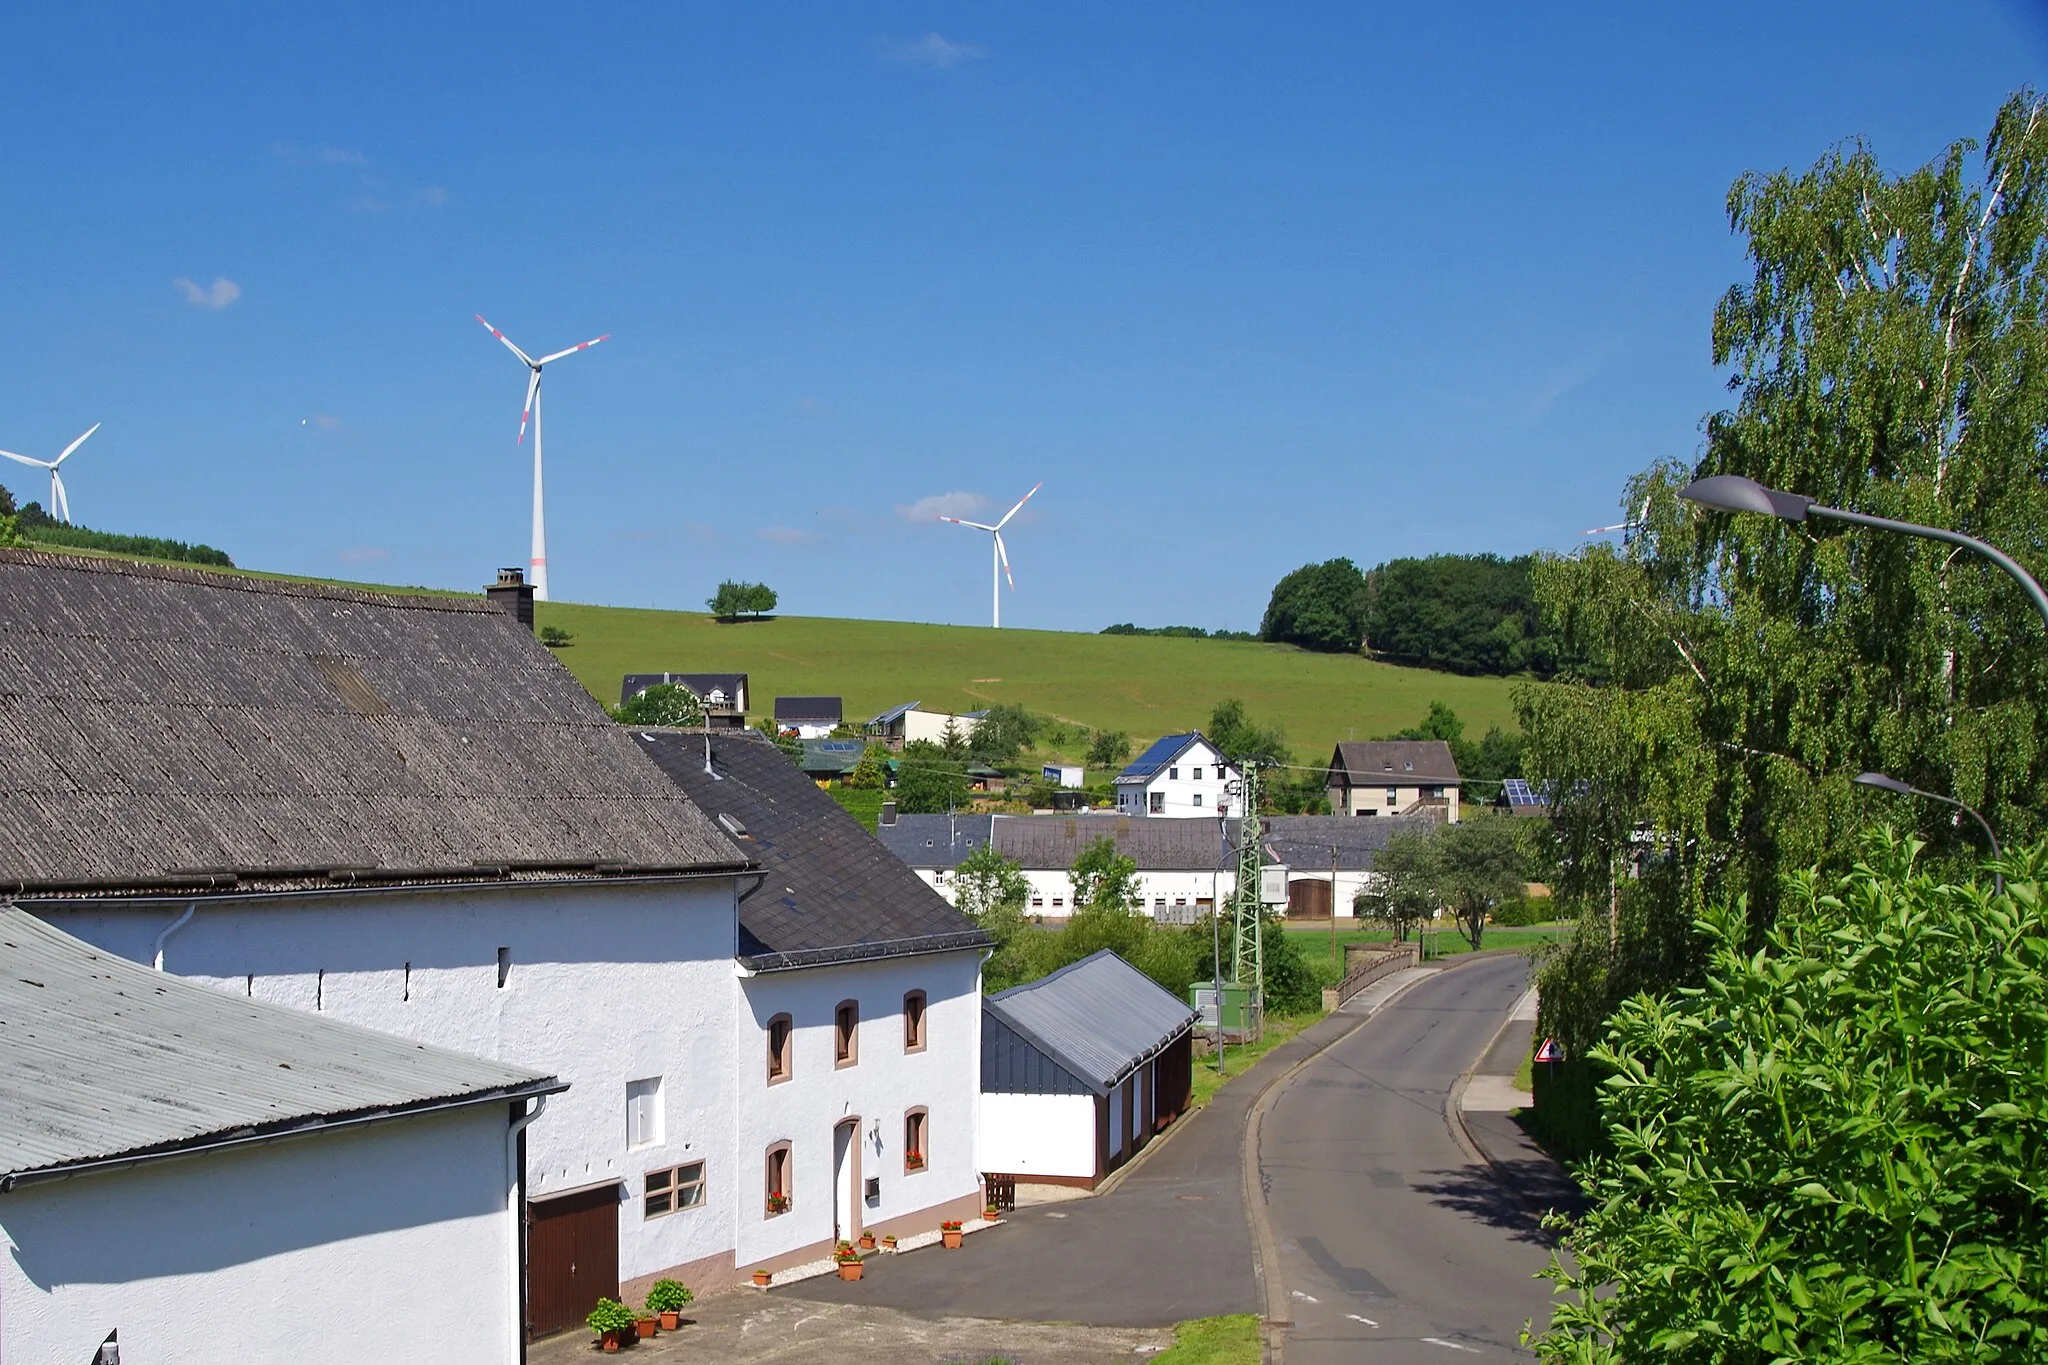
(107, 1059)
(1100, 1017)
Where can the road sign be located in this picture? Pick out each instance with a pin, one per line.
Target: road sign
(1550, 1051)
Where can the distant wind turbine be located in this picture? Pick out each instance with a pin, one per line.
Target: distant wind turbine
(538, 568)
(1627, 528)
(60, 506)
(1000, 564)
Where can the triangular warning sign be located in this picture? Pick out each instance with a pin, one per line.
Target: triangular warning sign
(1550, 1051)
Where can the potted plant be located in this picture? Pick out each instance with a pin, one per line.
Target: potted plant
(611, 1320)
(761, 1279)
(778, 1202)
(646, 1324)
(888, 1241)
(913, 1161)
(949, 1232)
(867, 1241)
(991, 1213)
(666, 1300)
(848, 1261)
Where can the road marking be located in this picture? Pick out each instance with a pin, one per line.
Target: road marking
(1455, 1346)
(1306, 1298)
(1367, 1321)
(1055, 1215)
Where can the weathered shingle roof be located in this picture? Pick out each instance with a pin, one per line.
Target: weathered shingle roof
(1100, 1018)
(935, 841)
(1043, 843)
(830, 892)
(165, 727)
(1054, 841)
(106, 1060)
(1406, 761)
(816, 709)
(1305, 842)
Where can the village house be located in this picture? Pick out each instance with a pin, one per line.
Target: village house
(724, 695)
(1395, 777)
(808, 717)
(900, 725)
(194, 1175)
(1179, 777)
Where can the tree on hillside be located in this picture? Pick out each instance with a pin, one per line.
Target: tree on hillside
(734, 600)
(1109, 749)
(1104, 878)
(1732, 672)
(1461, 613)
(1005, 731)
(661, 704)
(1318, 606)
(928, 782)
(1237, 736)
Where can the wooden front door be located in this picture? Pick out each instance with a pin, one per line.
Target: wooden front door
(572, 1257)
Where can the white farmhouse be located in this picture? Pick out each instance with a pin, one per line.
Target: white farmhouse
(1180, 776)
(193, 1175)
(909, 722)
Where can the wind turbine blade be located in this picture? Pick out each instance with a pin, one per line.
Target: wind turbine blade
(523, 356)
(23, 459)
(526, 413)
(955, 520)
(1603, 530)
(1020, 505)
(73, 446)
(61, 503)
(1004, 555)
(579, 346)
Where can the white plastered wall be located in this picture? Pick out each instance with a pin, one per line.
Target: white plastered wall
(339, 1248)
(1038, 1135)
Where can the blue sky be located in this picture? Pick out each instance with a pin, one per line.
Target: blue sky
(1245, 286)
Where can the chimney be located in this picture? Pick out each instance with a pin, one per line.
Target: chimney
(888, 812)
(514, 594)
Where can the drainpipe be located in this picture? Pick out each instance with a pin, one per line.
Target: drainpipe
(515, 1182)
(173, 927)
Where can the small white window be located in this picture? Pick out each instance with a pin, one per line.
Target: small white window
(1173, 774)
(643, 1113)
(1198, 798)
(1198, 774)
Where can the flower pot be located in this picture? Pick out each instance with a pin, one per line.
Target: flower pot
(867, 1241)
(761, 1278)
(647, 1326)
(849, 1270)
(609, 1341)
(991, 1214)
(952, 1239)
(889, 1243)
(671, 1320)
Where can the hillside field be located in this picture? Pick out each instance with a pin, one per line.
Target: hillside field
(1145, 685)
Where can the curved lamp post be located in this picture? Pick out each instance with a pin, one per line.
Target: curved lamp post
(1884, 783)
(1733, 493)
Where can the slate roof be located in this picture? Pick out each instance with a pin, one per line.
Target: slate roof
(1164, 750)
(108, 1061)
(166, 728)
(700, 685)
(1100, 1018)
(1303, 842)
(830, 892)
(1378, 762)
(935, 841)
(817, 710)
(1199, 844)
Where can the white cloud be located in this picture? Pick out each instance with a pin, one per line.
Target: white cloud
(364, 554)
(318, 156)
(934, 51)
(218, 295)
(942, 505)
(787, 535)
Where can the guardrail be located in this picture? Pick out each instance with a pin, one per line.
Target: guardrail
(1395, 958)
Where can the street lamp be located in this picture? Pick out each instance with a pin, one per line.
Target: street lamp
(1885, 783)
(1733, 493)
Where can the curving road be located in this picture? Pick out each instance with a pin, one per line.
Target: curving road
(1392, 1244)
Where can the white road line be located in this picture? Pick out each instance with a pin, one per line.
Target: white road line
(1306, 1298)
(1455, 1346)
(1367, 1321)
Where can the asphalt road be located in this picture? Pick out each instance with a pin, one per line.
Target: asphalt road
(1393, 1246)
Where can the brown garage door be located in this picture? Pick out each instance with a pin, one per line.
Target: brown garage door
(572, 1257)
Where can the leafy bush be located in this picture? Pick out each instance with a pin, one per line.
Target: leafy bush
(668, 1296)
(610, 1316)
(1517, 912)
(1837, 1147)
(734, 600)
(554, 637)
(661, 704)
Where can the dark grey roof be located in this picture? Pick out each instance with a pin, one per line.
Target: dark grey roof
(700, 685)
(935, 841)
(814, 709)
(830, 892)
(1304, 842)
(163, 728)
(108, 1061)
(1100, 1018)
(896, 712)
(1377, 762)
(1053, 841)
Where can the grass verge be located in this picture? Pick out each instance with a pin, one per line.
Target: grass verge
(1242, 1058)
(1232, 1340)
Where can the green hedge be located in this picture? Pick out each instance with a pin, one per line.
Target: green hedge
(1566, 1116)
(43, 531)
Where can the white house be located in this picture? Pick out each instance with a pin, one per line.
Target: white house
(209, 1177)
(1080, 1070)
(901, 725)
(808, 717)
(1384, 777)
(1180, 776)
(402, 812)
(1063, 774)
(724, 695)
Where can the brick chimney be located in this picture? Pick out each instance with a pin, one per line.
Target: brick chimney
(514, 594)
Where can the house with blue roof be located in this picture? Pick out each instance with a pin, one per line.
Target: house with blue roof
(1180, 776)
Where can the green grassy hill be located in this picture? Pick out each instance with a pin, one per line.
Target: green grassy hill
(1144, 685)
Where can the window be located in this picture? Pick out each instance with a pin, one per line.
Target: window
(643, 1113)
(1198, 798)
(1198, 774)
(915, 1153)
(1159, 903)
(913, 1021)
(781, 1037)
(1173, 774)
(1392, 796)
(1156, 802)
(1058, 901)
(780, 1193)
(846, 1033)
(1038, 902)
(504, 967)
(674, 1189)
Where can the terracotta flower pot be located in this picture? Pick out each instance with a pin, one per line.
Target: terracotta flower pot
(647, 1326)
(761, 1278)
(671, 1320)
(849, 1270)
(889, 1243)
(867, 1241)
(991, 1214)
(609, 1341)
(952, 1239)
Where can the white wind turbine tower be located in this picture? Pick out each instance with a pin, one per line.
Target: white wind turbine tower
(60, 506)
(999, 568)
(537, 569)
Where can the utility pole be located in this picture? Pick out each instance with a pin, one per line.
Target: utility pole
(1248, 913)
(1333, 903)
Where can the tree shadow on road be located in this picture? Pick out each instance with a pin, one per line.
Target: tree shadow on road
(1514, 1197)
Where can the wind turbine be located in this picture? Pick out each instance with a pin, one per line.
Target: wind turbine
(60, 506)
(999, 567)
(1627, 528)
(537, 573)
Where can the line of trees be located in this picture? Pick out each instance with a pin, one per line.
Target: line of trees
(31, 523)
(1178, 632)
(734, 600)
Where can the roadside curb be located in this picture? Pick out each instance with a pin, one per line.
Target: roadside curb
(1454, 1120)
(1265, 1250)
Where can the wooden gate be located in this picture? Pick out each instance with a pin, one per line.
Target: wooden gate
(572, 1257)
(1308, 899)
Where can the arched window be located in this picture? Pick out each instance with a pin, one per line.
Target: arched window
(778, 1177)
(781, 1049)
(916, 1139)
(846, 1033)
(913, 1021)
